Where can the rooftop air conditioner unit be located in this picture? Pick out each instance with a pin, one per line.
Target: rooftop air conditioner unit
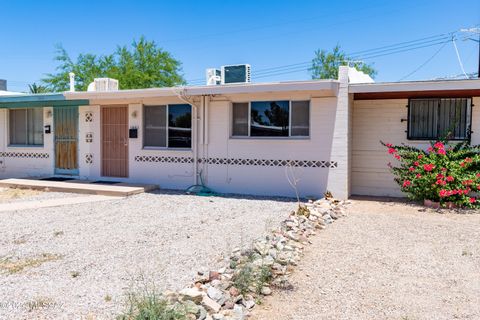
(103, 85)
(239, 73)
(213, 77)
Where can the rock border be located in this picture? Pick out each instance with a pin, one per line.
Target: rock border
(231, 292)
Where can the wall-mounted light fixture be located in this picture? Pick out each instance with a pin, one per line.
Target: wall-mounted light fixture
(134, 114)
(49, 113)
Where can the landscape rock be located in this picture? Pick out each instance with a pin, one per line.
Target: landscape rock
(210, 305)
(266, 291)
(192, 294)
(216, 295)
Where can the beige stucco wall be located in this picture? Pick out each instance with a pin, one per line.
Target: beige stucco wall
(270, 179)
(213, 129)
(30, 161)
(375, 120)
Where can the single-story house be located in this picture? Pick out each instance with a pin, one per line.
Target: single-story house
(251, 138)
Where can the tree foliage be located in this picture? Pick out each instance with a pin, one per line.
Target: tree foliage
(143, 65)
(325, 64)
(36, 88)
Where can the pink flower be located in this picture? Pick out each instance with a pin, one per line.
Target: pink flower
(420, 156)
(473, 200)
(406, 183)
(389, 145)
(439, 176)
(397, 157)
(428, 167)
(416, 163)
(441, 151)
(430, 149)
(443, 193)
(411, 169)
(450, 178)
(419, 176)
(478, 175)
(391, 150)
(439, 145)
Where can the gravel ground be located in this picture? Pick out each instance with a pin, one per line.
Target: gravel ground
(98, 251)
(8, 195)
(387, 260)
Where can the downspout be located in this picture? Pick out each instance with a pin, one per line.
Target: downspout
(182, 95)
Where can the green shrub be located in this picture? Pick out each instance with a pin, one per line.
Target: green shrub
(448, 174)
(150, 305)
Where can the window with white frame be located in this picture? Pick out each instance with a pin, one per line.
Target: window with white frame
(167, 126)
(26, 127)
(438, 118)
(271, 119)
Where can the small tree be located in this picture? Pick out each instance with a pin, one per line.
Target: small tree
(325, 64)
(35, 88)
(144, 65)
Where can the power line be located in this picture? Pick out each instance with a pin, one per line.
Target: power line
(305, 68)
(425, 63)
(358, 55)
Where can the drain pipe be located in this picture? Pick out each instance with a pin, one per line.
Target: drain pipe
(182, 95)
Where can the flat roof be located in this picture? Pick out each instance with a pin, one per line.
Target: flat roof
(329, 87)
(416, 89)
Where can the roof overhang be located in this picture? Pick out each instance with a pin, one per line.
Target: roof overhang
(416, 89)
(323, 87)
(39, 100)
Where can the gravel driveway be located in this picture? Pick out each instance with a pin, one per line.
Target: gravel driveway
(387, 261)
(80, 260)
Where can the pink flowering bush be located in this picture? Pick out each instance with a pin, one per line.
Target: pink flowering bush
(448, 174)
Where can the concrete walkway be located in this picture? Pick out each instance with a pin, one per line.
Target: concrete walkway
(53, 202)
(78, 186)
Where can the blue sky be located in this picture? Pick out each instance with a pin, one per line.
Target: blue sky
(266, 34)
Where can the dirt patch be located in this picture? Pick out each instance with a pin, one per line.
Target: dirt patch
(14, 265)
(387, 260)
(9, 194)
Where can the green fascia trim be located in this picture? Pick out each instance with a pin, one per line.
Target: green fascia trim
(39, 100)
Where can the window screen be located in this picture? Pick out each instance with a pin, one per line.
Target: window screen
(240, 119)
(155, 126)
(431, 119)
(300, 118)
(179, 126)
(26, 126)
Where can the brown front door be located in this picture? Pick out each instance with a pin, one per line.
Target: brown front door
(115, 141)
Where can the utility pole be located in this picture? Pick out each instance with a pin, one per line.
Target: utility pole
(475, 31)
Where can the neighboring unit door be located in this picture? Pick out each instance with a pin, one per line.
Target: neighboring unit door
(115, 141)
(65, 120)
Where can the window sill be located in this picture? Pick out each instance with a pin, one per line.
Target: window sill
(270, 138)
(435, 139)
(19, 146)
(165, 149)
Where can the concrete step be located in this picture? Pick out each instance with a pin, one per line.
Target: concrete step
(79, 186)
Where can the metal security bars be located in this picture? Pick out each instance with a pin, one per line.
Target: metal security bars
(435, 118)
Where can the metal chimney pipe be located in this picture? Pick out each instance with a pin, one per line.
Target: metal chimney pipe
(72, 81)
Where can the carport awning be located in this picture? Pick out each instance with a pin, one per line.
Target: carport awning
(38, 101)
